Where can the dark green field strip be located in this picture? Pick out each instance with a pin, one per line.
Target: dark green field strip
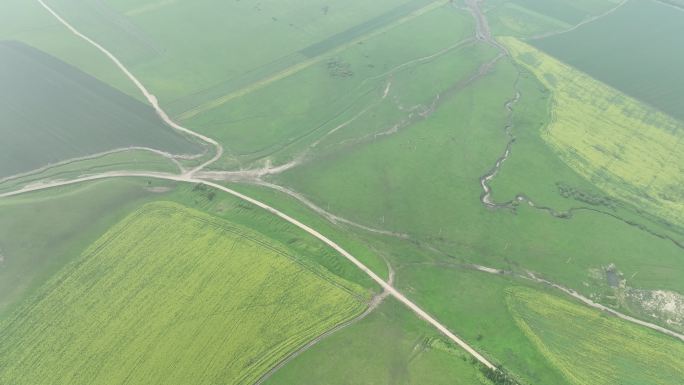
(282, 63)
(361, 29)
(262, 72)
(638, 50)
(51, 112)
(130, 42)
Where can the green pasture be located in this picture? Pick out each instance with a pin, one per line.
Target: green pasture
(30, 23)
(170, 285)
(43, 231)
(513, 19)
(536, 18)
(159, 39)
(131, 160)
(537, 333)
(424, 181)
(395, 112)
(285, 117)
(473, 305)
(311, 251)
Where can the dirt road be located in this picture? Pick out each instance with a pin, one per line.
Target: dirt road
(188, 178)
(149, 96)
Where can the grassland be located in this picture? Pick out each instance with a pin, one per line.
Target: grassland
(390, 346)
(381, 183)
(591, 348)
(473, 305)
(627, 149)
(537, 333)
(310, 250)
(347, 88)
(642, 59)
(222, 300)
(159, 39)
(28, 22)
(53, 112)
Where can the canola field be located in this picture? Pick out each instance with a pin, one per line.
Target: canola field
(627, 149)
(172, 296)
(589, 347)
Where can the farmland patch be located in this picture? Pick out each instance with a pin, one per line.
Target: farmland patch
(390, 346)
(589, 347)
(172, 296)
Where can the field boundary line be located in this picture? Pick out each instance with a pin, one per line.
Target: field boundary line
(210, 105)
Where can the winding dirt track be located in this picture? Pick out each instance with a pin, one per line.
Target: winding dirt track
(188, 178)
(148, 95)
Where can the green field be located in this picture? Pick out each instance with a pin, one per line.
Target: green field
(537, 332)
(170, 285)
(392, 112)
(589, 347)
(534, 18)
(52, 112)
(624, 147)
(571, 12)
(382, 183)
(159, 38)
(289, 116)
(390, 346)
(643, 59)
(473, 305)
(515, 20)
